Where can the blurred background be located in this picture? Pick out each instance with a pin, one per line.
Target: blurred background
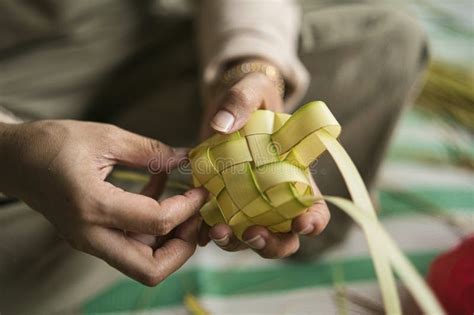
(426, 192)
(425, 189)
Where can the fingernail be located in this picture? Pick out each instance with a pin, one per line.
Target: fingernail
(308, 229)
(222, 241)
(256, 242)
(223, 121)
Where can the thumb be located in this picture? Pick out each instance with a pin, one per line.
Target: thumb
(239, 102)
(138, 151)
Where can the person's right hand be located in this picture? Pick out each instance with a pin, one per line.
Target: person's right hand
(228, 112)
(59, 169)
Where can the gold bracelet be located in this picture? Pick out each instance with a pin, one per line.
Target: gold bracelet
(236, 72)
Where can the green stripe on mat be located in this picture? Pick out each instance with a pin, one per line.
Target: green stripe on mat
(426, 200)
(128, 295)
(431, 154)
(413, 142)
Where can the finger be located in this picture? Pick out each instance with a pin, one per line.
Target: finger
(180, 208)
(147, 239)
(189, 230)
(135, 259)
(271, 245)
(134, 150)
(141, 214)
(240, 101)
(223, 236)
(155, 186)
(313, 221)
(203, 237)
(152, 189)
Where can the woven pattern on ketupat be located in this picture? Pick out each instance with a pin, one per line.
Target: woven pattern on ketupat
(260, 175)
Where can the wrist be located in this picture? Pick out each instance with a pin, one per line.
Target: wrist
(236, 70)
(6, 137)
(6, 130)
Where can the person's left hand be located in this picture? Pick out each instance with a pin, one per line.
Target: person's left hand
(59, 168)
(228, 113)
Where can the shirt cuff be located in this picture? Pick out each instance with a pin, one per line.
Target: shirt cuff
(8, 117)
(294, 73)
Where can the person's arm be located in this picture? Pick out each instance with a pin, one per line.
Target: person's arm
(240, 29)
(248, 52)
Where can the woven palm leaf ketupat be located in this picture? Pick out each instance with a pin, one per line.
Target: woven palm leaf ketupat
(260, 175)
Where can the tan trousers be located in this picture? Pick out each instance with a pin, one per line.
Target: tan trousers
(365, 62)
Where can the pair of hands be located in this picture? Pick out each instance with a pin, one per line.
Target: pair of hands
(59, 169)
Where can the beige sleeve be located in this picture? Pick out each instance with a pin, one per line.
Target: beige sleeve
(268, 29)
(8, 117)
